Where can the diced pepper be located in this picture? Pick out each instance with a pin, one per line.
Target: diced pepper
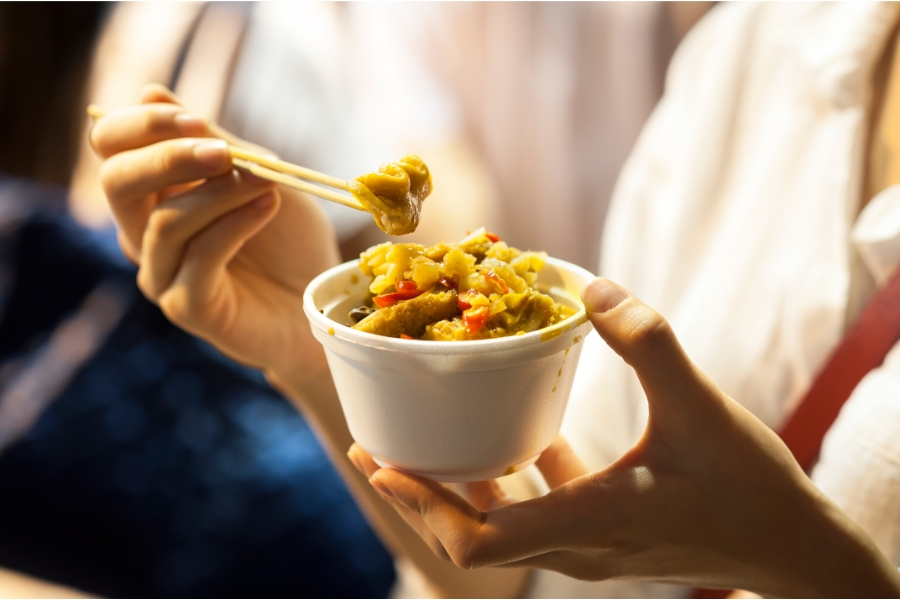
(406, 286)
(394, 297)
(492, 236)
(403, 336)
(448, 282)
(474, 319)
(504, 289)
(464, 299)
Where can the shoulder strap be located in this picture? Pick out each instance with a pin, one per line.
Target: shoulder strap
(210, 56)
(863, 348)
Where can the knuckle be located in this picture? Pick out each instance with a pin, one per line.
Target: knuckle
(176, 305)
(648, 334)
(109, 175)
(145, 285)
(162, 225)
(438, 549)
(166, 158)
(462, 560)
(201, 246)
(127, 249)
(596, 481)
(467, 557)
(95, 139)
(471, 550)
(157, 122)
(103, 138)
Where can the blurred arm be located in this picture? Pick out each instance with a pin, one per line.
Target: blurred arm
(16, 585)
(140, 44)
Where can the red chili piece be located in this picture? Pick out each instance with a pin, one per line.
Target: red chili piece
(406, 286)
(504, 289)
(403, 336)
(492, 236)
(475, 318)
(463, 299)
(392, 298)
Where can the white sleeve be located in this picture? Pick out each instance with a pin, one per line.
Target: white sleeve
(859, 467)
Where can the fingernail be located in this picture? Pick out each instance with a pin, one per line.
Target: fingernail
(602, 295)
(190, 125)
(263, 202)
(211, 153)
(381, 488)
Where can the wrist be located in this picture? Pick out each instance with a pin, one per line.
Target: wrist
(829, 556)
(306, 382)
(298, 381)
(302, 363)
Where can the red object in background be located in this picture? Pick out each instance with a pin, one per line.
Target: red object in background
(475, 318)
(863, 348)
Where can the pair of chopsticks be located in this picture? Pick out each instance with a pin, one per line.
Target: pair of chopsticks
(279, 171)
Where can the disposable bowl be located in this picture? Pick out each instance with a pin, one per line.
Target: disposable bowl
(450, 411)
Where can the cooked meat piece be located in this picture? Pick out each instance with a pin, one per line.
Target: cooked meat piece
(411, 316)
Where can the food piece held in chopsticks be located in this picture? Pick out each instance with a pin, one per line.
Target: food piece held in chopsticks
(394, 194)
(477, 289)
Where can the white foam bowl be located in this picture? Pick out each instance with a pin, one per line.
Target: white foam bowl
(450, 411)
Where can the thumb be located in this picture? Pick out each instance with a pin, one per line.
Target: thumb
(642, 337)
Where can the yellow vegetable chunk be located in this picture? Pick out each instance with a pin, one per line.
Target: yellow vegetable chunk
(492, 282)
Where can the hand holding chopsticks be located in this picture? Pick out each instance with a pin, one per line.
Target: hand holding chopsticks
(279, 171)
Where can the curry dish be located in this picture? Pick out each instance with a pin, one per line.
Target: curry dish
(477, 289)
(394, 194)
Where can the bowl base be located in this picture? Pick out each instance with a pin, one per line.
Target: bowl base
(465, 477)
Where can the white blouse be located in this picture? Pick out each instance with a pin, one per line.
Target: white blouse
(737, 217)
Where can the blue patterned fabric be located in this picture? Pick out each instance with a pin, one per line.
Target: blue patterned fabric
(161, 469)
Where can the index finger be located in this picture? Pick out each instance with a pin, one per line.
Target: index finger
(138, 126)
(481, 539)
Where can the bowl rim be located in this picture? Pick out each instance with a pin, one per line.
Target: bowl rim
(371, 340)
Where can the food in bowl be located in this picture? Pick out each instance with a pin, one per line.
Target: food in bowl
(450, 411)
(478, 288)
(394, 193)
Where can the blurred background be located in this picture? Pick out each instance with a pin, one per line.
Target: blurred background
(134, 460)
